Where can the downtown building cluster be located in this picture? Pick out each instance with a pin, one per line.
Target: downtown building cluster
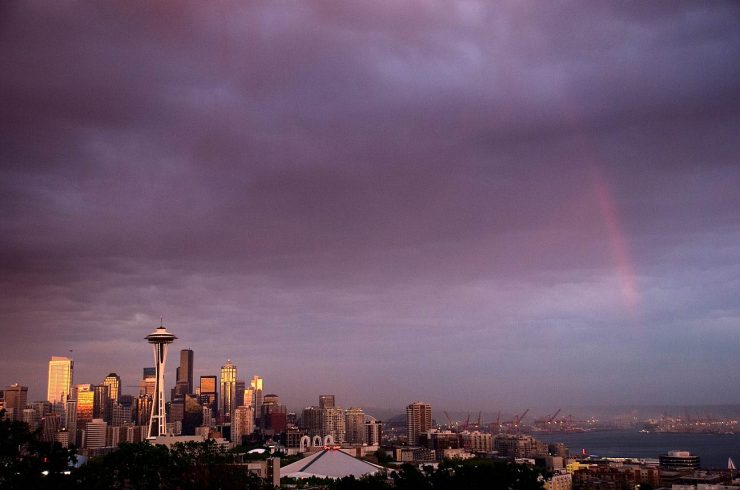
(96, 417)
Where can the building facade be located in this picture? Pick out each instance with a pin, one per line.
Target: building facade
(418, 420)
(477, 442)
(354, 422)
(148, 381)
(311, 421)
(16, 399)
(242, 424)
(256, 385)
(95, 434)
(61, 371)
(85, 396)
(333, 424)
(327, 401)
(207, 394)
(228, 390)
(373, 432)
(184, 373)
(113, 382)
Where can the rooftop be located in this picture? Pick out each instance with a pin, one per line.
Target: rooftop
(331, 463)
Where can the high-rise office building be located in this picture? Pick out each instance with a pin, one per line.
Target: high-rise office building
(43, 408)
(418, 420)
(192, 415)
(256, 386)
(50, 425)
(61, 370)
(241, 387)
(242, 423)
(326, 401)
(95, 433)
(85, 396)
(143, 410)
(124, 411)
(354, 421)
(311, 421)
(228, 390)
(113, 382)
(120, 415)
(273, 415)
(183, 376)
(70, 417)
(31, 417)
(148, 381)
(185, 371)
(102, 404)
(333, 423)
(16, 399)
(207, 394)
(373, 432)
(248, 397)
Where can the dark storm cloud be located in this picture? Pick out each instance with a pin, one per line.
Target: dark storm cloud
(306, 186)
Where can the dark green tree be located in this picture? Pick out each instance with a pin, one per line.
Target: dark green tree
(470, 475)
(485, 474)
(409, 477)
(368, 482)
(191, 465)
(26, 462)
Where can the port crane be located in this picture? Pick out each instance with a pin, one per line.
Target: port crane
(449, 420)
(518, 420)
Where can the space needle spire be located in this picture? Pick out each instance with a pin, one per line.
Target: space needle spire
(159, 339)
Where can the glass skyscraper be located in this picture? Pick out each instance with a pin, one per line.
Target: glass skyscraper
(60, 379)
(184, 372)
(113, 382)
(256, 386)
(228, 390)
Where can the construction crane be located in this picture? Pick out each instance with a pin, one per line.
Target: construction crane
(552, 417)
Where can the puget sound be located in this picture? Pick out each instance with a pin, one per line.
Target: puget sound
(713, 449)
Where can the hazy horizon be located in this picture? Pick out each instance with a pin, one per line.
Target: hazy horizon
(478, 205)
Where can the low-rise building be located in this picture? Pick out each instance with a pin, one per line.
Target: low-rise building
(559, 481)
(477, 442)
(519, 446)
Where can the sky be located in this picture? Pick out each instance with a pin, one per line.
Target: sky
(483, 205)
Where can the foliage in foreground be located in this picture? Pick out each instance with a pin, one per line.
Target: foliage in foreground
(24, 458)
(27, 463)
(192, 465)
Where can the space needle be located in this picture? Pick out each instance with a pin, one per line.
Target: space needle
(159, 339)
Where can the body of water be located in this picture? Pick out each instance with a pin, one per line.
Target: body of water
(713, 449)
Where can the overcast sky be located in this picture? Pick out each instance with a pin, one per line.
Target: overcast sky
(482, 205)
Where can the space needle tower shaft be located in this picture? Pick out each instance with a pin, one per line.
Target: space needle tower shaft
(160, 340)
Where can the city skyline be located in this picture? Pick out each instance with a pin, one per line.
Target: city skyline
(476, 205)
